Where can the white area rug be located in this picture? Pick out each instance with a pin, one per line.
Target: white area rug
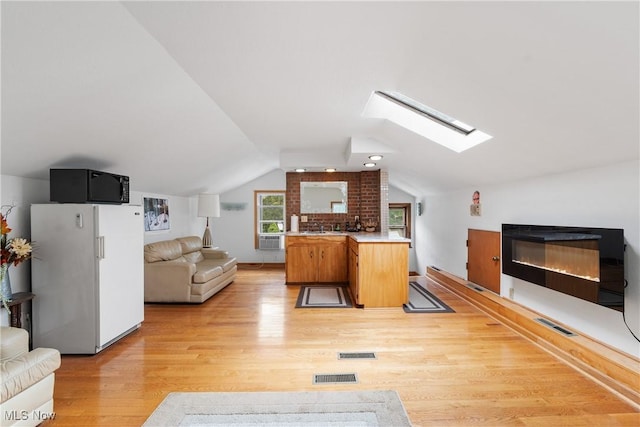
(314, 408)
(323, 296)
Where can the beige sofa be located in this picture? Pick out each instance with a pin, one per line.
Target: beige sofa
(181, 270)
(27, 379)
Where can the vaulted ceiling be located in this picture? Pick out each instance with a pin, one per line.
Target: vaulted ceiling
(205, 96)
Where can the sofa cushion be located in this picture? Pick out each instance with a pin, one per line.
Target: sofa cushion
(193, 257)
(227, 264)
(165, 250)
(204, 273)
(190, 244)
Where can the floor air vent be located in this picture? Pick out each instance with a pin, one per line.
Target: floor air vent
(555, 327)
(475, 287)
(335, 378)
(356, 356)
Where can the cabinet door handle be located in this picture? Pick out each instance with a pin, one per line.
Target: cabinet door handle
(322, 254)
(310, 254)
(495, 258)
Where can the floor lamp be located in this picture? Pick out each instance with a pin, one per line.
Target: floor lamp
(208, 206)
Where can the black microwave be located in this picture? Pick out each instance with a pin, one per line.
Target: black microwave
(87, 186)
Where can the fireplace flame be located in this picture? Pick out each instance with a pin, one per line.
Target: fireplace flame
(558, 270)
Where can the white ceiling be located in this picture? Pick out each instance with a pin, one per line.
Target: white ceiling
(205, 96)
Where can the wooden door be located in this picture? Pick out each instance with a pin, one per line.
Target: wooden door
(483, 256)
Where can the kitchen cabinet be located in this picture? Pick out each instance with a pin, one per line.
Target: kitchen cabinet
(354, 284)
(379, 272)
(316, 258)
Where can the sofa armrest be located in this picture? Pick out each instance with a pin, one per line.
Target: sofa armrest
(22, 372)
(168, 281)
(214, 253)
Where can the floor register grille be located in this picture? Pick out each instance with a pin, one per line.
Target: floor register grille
(368, 355)
(555, 327)
(335, 378)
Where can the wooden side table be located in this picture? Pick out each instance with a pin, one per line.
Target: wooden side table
(15, 307)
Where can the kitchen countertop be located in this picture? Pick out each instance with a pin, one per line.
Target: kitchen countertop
(360, 237)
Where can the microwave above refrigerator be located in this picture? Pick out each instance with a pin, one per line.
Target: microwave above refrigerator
(87, 186)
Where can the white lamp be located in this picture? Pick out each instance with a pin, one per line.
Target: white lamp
(208, 206)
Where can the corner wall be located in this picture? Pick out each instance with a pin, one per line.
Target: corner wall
(599, 197)
(233, 231)
(21, 193)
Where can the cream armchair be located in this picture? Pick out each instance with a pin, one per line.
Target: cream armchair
(27, 379)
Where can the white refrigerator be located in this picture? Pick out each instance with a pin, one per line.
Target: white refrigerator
(87, 275)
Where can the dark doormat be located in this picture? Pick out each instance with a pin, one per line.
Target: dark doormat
(323, 296)
(423, 301)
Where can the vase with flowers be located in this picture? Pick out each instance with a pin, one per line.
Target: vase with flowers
(14, 251)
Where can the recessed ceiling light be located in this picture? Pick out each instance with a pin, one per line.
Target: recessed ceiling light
(301, 170)
(330, 169)
(369, 164)
(375, 157)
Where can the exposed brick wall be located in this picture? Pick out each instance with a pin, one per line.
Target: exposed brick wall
(363, 197)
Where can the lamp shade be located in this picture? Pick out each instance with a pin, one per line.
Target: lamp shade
(208, 205)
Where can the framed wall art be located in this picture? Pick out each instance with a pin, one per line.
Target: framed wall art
(475, 209)
(156, 214)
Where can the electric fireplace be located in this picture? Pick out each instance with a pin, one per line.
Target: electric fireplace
(583, 262)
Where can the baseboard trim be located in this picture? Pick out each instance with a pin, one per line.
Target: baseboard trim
(617, 371)
(260, 265)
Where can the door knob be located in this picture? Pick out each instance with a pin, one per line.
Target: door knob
(495, 258)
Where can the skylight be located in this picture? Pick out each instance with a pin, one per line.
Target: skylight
(423, 120)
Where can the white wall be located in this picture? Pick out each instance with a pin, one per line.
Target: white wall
(182, 216)
(398, 196)
(21, 193)
(234, 230)
(606, 197)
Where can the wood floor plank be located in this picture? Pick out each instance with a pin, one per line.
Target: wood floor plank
(450, 369)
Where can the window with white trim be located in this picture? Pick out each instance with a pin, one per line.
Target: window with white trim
(269, 215)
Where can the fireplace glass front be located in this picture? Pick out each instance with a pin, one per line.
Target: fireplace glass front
(587, 263)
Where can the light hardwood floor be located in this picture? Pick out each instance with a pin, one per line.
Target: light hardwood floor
(452, 369)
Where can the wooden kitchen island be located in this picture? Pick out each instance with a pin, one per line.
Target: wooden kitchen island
(375, 265)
